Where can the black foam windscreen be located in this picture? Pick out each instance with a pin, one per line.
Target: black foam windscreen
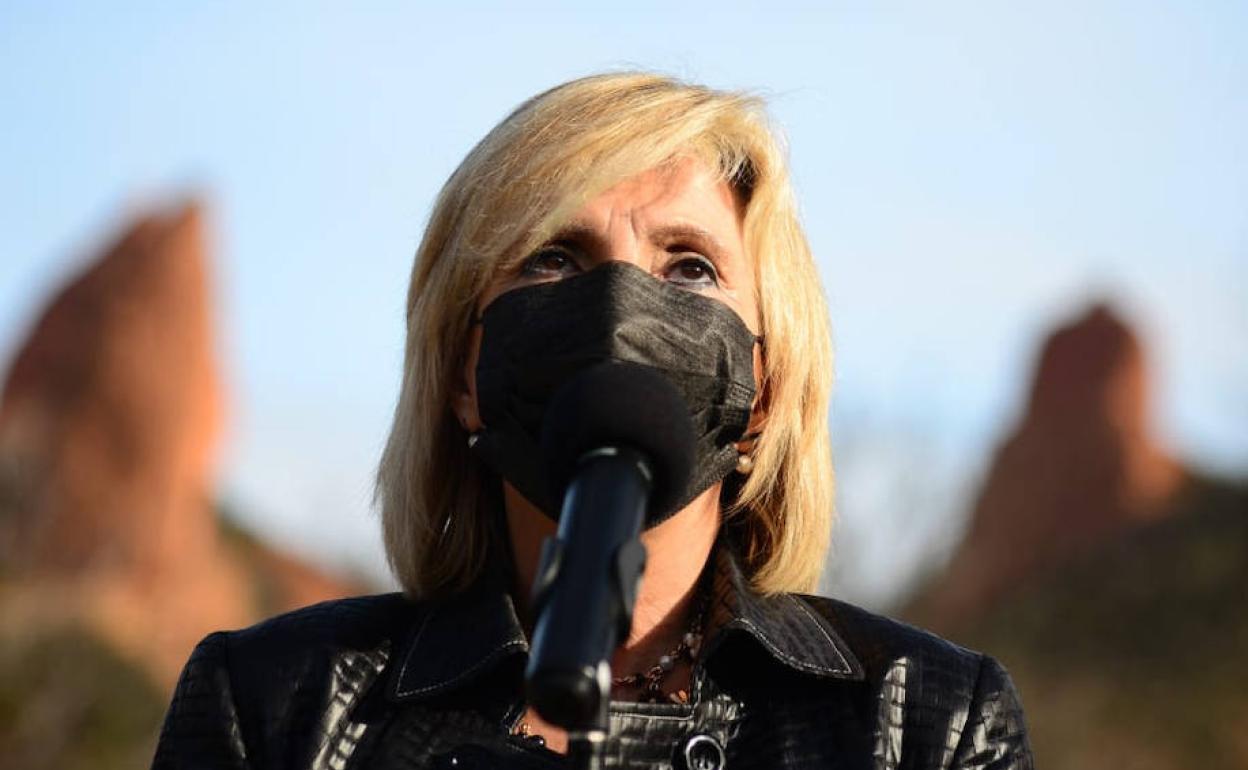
(621, 404)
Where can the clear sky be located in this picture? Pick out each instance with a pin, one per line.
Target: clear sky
(970, 175)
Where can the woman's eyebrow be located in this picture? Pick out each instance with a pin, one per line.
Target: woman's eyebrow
(688, 232)
(584, 233)
(576, 232)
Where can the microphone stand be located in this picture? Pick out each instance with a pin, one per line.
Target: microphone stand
(587, 749)
(583, 597)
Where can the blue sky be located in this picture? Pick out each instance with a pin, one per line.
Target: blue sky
(970, 174)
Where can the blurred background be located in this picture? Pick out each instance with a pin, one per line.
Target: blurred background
(1032, 226)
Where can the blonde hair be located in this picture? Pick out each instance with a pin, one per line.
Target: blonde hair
(555, 152)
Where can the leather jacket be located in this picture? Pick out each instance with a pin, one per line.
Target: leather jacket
(785, 681)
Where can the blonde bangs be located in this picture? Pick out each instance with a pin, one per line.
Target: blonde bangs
(567, 146)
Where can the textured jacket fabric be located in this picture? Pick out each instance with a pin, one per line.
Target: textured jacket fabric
(783, 681)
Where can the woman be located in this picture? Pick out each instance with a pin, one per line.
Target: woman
(614, 218)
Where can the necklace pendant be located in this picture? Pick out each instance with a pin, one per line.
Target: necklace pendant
(524, 733)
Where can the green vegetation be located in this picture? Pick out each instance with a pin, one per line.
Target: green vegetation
(1134, 656)
(68, 702)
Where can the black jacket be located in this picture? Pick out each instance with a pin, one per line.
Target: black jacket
(785, 681)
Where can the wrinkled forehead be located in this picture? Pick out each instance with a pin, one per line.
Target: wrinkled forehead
(568, 194)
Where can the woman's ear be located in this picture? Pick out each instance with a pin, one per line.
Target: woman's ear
(758, 419)
(464, 405)
(762, 402)
(464, 393)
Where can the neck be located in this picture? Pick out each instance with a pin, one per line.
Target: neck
(676, 552)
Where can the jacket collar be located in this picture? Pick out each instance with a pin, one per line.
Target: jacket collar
(784, 625)
(458, 640)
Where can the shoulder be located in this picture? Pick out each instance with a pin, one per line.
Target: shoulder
(244, 693)
(879, 641)
(310, 638)
(311, 634)
(256, 697)
(304, 650)
(948, 696)
(890, 649)
(355, 623)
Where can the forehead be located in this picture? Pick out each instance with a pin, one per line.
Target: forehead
(685, 189)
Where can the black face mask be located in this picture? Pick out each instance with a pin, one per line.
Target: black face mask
(538, 337)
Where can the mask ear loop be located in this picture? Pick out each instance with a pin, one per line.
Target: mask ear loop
(745, 458)
(476, 319)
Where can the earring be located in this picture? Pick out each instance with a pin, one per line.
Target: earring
(473, 438)
(745, 463)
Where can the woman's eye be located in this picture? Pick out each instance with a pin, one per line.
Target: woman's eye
(695, 272)
(549, 262)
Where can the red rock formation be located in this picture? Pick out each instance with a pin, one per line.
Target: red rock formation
(108, 429)
(1081, 467)
(114, 403)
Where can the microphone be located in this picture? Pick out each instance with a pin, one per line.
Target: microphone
(618, 438)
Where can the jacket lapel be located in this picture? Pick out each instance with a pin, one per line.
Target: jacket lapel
(786, 628)
(458, 641)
